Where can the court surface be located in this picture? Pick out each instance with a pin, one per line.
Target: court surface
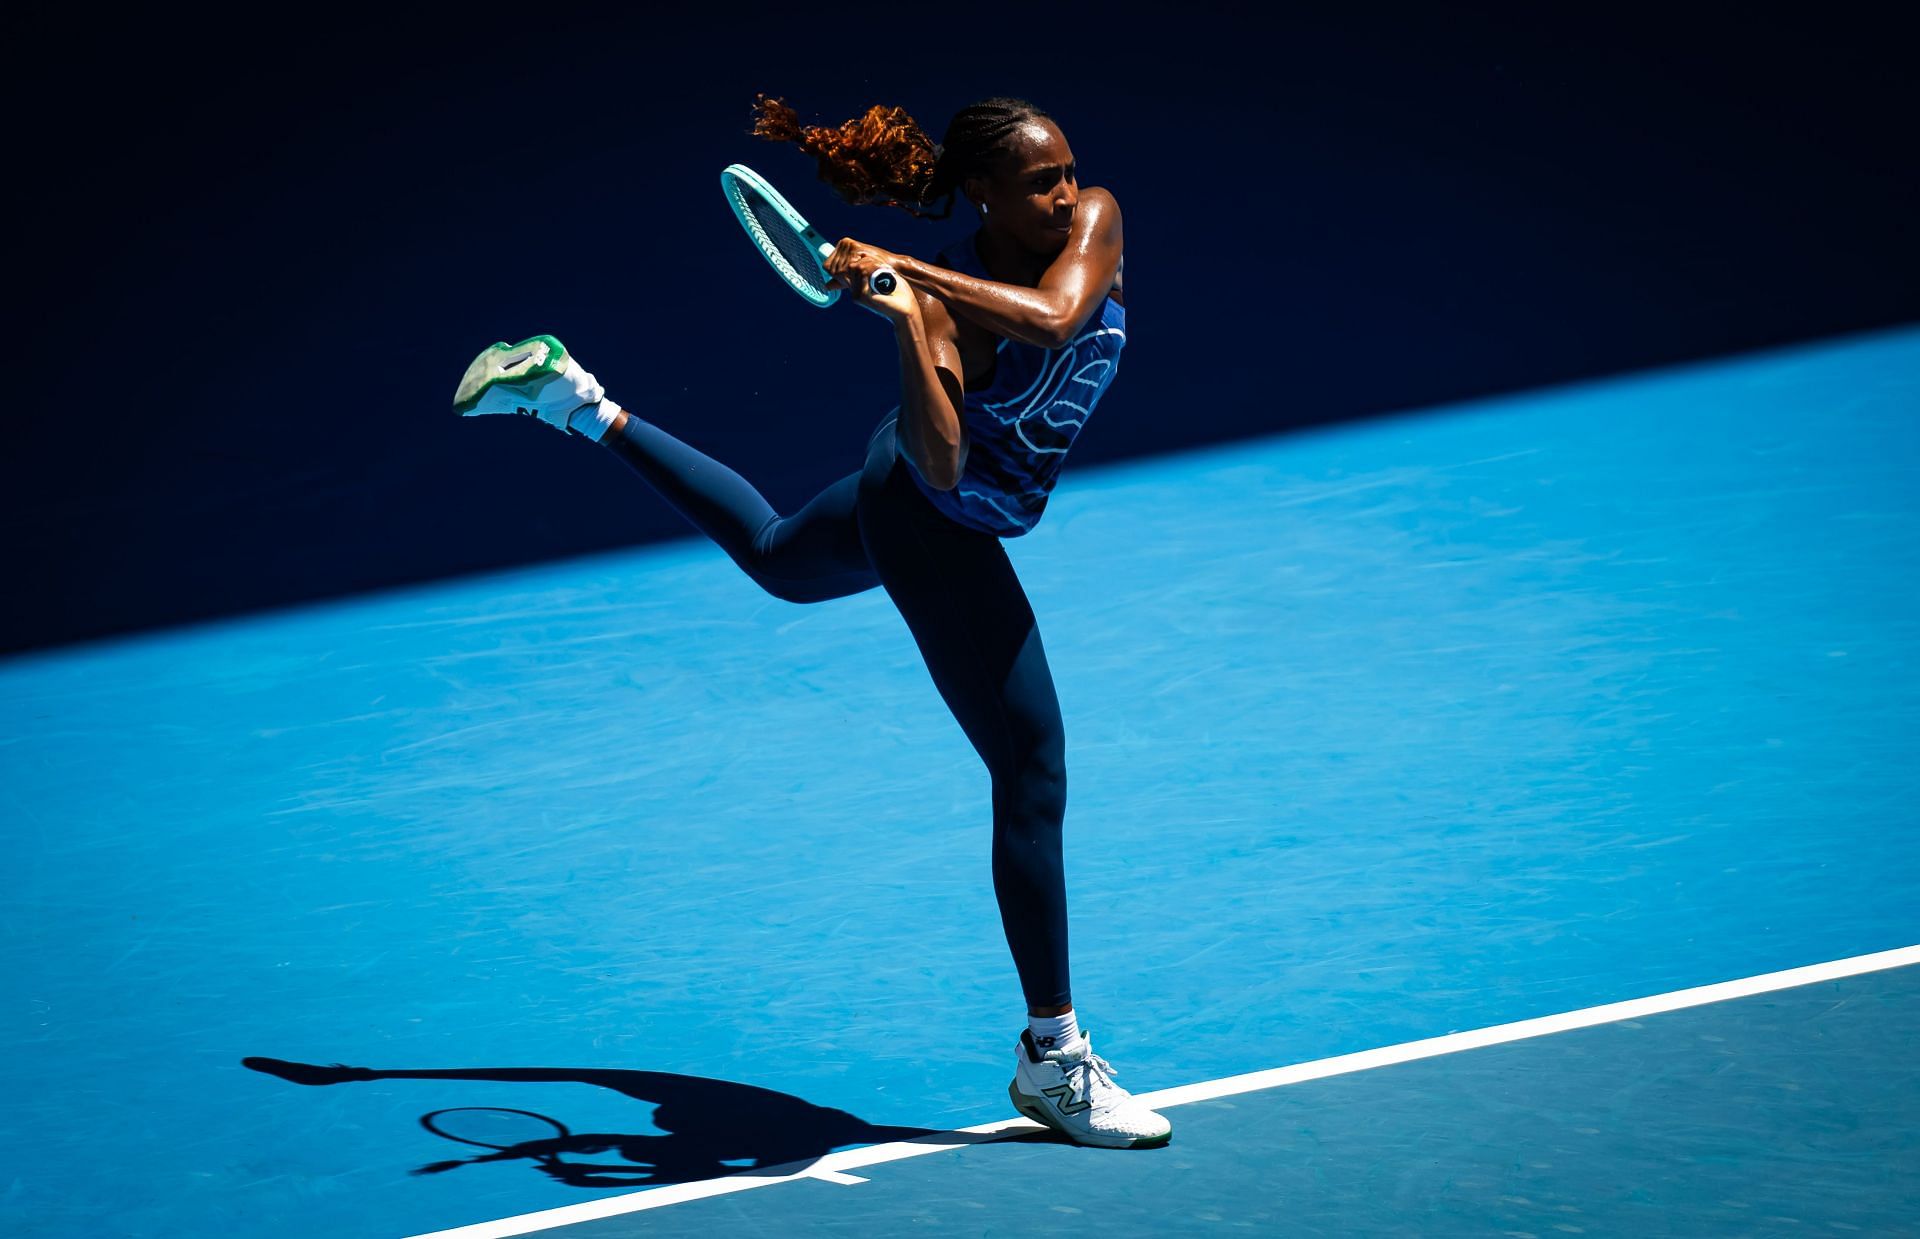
(1376, 734)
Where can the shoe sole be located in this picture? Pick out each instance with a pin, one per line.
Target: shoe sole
(1038, 1113)
(537, 357)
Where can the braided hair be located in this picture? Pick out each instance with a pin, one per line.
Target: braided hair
(883, 158)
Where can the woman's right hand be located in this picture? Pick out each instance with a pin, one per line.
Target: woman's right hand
(852, 266)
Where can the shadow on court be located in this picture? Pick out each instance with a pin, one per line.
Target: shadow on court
(712, 1128)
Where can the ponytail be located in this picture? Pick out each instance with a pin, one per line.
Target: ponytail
(884, 158)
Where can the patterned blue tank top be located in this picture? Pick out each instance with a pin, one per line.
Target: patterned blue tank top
(1020, 427)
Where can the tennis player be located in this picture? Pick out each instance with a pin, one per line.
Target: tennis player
(1007, 340)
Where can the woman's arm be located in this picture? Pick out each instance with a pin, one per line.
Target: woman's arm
(932, 431)
(1069, 292)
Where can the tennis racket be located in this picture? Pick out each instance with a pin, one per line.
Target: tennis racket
(788, 242)
(515, 1133)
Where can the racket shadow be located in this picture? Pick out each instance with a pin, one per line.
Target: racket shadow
(708, 1128)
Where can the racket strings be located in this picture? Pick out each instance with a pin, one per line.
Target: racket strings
(493, 1128)
(791, 254)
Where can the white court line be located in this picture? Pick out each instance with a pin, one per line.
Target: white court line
(832, 1167)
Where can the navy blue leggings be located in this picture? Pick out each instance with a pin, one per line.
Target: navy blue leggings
(957, 591)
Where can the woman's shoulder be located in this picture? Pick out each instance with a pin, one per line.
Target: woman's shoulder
(1101, 203)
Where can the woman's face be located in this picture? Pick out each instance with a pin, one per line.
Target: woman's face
(1033, 195)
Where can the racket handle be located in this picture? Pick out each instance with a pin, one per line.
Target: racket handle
(883, 282)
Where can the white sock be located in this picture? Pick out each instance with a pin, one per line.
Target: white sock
(1054, 1032)
(592, 420)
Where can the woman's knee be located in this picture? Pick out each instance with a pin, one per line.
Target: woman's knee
(1034, 788)
(813, 589)
(785, 591)
(757, 554)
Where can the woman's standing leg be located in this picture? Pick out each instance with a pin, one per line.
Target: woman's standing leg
(957, 591)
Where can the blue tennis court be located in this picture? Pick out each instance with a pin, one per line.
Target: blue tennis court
(1433, 723)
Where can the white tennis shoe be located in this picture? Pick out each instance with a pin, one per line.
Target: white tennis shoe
(536, 378)
(1073, 1092)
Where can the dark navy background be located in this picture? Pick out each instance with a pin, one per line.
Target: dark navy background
(256, 258)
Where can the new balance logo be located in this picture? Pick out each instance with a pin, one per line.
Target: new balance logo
(1061, 1095)
(1045, 1043)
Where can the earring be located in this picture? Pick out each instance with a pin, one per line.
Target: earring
(983, 208)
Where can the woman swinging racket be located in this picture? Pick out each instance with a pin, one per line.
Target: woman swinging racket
(1007, 339)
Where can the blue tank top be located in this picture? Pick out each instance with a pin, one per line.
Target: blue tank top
(1020, 427)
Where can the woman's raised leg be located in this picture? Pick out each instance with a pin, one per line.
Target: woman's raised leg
(811, 556)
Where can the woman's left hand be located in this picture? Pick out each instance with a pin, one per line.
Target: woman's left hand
(852, 265)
